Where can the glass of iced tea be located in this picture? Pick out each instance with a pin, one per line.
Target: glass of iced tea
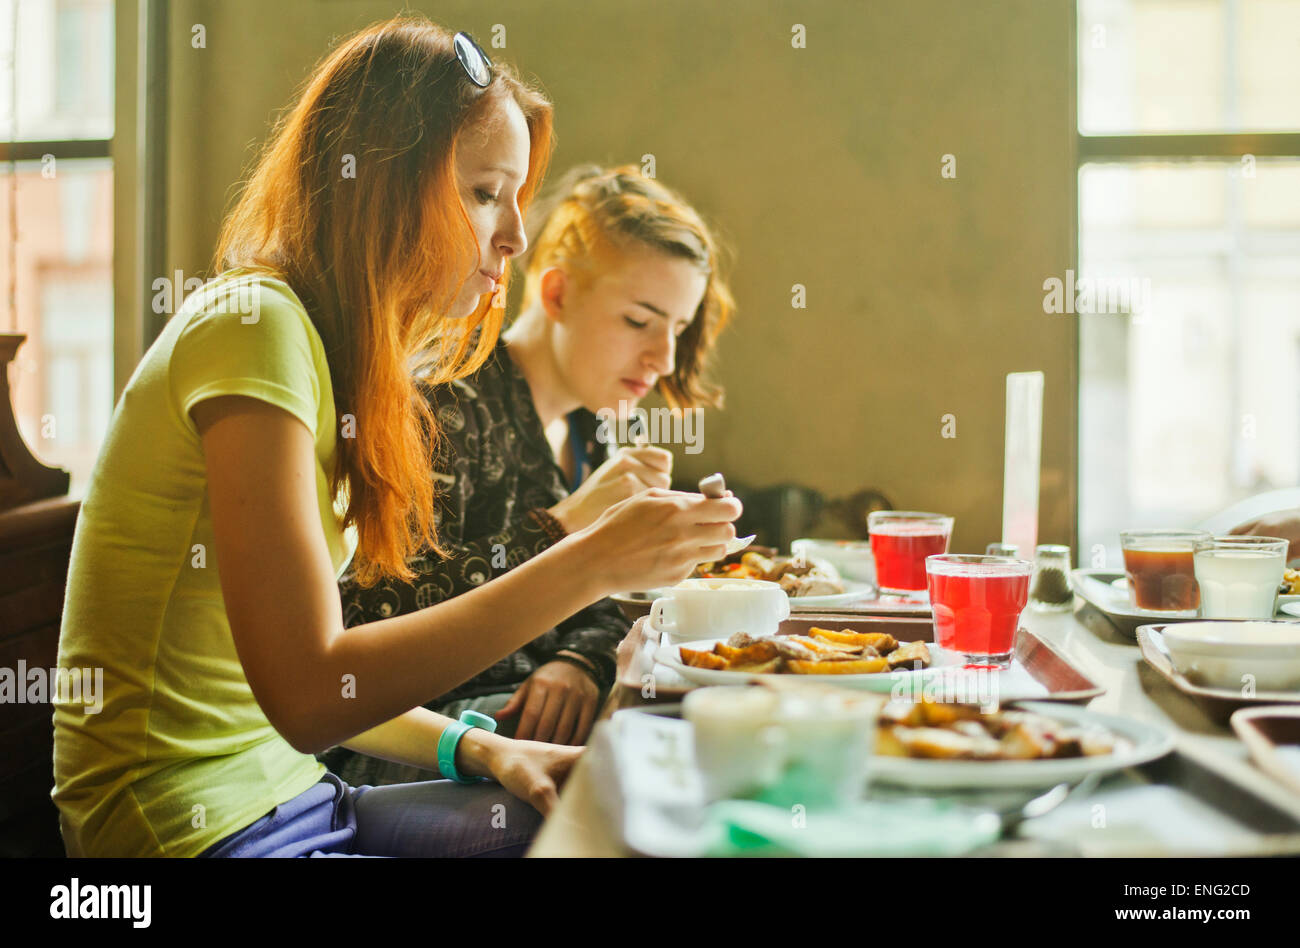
(977, 602)
(1161, 570)
(900, 542)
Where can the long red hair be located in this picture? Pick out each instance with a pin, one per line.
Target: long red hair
(378, 258)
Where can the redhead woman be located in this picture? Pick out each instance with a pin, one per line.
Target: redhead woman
(274, 428)
(624, 295)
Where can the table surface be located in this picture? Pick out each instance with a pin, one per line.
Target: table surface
(1131, 814)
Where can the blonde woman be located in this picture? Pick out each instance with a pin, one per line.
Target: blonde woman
(624, 295)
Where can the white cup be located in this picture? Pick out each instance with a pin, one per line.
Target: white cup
(827, 738)
(739, 750)
(718, 608)
(807, 747)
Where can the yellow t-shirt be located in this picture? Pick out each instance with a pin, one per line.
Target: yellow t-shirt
(181, 754)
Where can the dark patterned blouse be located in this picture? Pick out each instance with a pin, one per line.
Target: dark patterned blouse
(497, 475)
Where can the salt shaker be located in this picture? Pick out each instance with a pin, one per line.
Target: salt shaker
(1049, 590)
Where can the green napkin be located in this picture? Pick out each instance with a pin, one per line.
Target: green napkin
(919, 827)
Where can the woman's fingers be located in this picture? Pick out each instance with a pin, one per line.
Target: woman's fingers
(649, 456)
(719, 510)
(651, 475)
(652, 478)
(544, 797)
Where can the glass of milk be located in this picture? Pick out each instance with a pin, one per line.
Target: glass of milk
(1239, 576)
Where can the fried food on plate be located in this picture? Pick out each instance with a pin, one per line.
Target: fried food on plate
(698, 659)
(929, 729)
(882, 642)
(798, 577)
(866, 666)
(821, 652)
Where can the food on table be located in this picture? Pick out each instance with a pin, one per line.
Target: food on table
(797, 576)
(1290, 583)
(820, 652)
(928, 729)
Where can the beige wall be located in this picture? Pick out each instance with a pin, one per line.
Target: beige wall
(822, 167)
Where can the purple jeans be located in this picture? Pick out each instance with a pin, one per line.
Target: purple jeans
(432, 818)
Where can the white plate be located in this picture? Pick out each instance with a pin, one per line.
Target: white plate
(883, 682)
(1149, 743)
(853, 592)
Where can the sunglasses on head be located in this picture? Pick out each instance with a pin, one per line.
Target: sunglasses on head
(477, 65)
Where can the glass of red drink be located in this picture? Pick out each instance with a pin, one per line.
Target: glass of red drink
(900, 542)
(977, 602)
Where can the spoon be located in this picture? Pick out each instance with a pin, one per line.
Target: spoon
(1041, 805)
(714, 487)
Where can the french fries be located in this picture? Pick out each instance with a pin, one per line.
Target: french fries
(821, 652)
(882, 642)
(825, 651)
(867, 666)
(703, 659)
(754, 654)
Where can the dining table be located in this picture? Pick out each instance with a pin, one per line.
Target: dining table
(1207, 797)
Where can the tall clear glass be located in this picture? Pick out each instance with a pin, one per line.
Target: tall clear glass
(1239, 576)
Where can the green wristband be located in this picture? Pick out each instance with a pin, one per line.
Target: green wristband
(450, 740)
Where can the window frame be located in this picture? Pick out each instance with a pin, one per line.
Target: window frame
(1130, 148)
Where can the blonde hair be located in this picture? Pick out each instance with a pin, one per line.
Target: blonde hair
(589, 222)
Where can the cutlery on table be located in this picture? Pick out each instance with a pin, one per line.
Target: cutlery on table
(1043, 804)
(713, 487)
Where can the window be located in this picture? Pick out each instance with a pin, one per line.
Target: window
(1189, 196)
(56, 223)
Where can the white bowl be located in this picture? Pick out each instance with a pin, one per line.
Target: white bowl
(1223, 654)
(852, 558)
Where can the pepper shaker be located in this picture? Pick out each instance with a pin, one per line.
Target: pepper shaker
(1050, 588)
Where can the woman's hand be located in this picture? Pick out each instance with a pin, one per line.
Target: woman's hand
(657, 538)
(627, 473)
(532, 771)
(1284, 524)
(556, 704)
